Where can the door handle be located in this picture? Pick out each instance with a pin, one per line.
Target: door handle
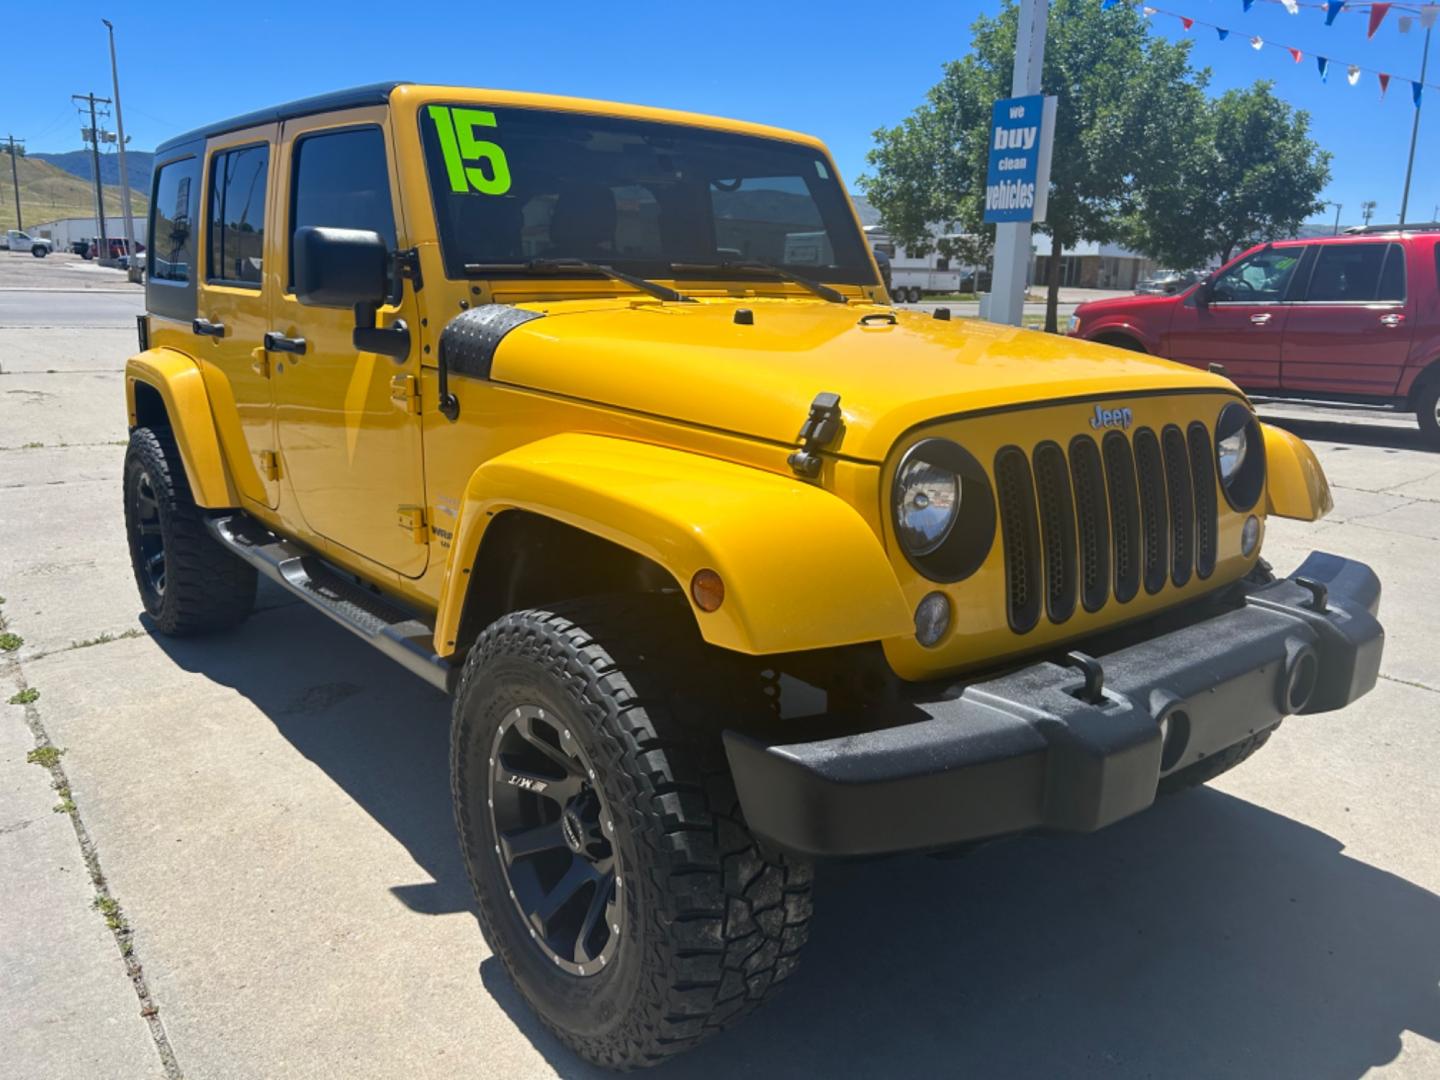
(280, 343)
(1392, 320)
(208, 328)
(1261, 318)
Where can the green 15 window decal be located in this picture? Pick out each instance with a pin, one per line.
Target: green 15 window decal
(465, 154)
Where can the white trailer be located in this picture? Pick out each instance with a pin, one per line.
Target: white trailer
(913, 277)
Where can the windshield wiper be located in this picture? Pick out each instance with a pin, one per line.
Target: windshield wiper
(760, 266)
(560, 266)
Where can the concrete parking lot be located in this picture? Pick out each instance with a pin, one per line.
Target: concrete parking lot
(260, 877)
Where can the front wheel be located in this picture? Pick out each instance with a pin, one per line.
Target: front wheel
(188, 583)
(1428, 413)
(39, 251)
(615, 877)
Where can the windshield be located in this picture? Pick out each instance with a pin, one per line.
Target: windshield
(519, 184)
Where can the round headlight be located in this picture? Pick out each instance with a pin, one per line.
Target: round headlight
(934, 482)
(927, 499)
(1240, 456)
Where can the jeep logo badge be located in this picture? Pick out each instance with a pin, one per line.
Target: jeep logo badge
(1104, 418)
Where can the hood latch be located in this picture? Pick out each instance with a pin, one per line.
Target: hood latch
(820, 429)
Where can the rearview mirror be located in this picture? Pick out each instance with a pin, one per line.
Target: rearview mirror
(1202, 295)
(340, 267)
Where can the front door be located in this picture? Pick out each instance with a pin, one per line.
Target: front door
(231, 305)
(349, 436)
(1243, 325)
(1349, 332)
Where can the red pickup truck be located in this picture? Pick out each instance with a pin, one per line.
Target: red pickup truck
(1352, 318)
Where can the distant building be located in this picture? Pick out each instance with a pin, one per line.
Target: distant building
(66, 231)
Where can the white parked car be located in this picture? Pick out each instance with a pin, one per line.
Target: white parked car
(38, 246)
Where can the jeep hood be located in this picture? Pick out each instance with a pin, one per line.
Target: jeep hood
(694, 363)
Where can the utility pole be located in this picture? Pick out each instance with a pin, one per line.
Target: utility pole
(15, 176)
(1367, 210)
(132, 261)
(1012, 238)
(95, 157)
(1415, 128)
(1337, 216)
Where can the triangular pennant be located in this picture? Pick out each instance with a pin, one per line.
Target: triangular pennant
(1416, 89)
(1352, 75)
(1248, 5)
(1257, 42)
(1332, 8)
(1384, 84)
(1291, 6)
(1187, 22)
(1427, 15)
(1221, 33)
(1324, 65)
(1406, 22)
(1377, 16)
(1297, 54)
(1147, 11)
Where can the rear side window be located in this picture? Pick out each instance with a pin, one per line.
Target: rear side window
(1392, 275)
(340, 180)
(172, 212)
(236, 233)
(1347, 272)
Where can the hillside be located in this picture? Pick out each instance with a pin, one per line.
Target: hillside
(48, 192)
(78, 163)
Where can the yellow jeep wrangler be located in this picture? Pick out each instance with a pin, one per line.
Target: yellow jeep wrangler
(597, 417)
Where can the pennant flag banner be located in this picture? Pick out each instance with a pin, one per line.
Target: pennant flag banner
(1332, 8)
(1187, 22)
(1324, 66)
(1377, 16)
(1222, 32)
(1427, 15)
(1248, 5)
(1416, 89)
(1297, 54)
(1352, 75)
(1406, 22)
(1257, 42)
(1291, 6)
(1384, 84)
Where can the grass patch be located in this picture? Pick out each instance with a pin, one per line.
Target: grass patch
(107, 637)
(46, 757)
(25, 697)
(110, 908)
(32, 446)
(10, 642)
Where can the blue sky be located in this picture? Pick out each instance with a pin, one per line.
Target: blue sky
(838, 70)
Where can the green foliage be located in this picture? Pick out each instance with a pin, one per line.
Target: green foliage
(25, 697)
(44, 756)
(1241, 170)
(10, 642)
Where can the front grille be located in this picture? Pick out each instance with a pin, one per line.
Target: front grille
(1097, 522)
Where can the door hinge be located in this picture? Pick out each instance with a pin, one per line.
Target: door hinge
(270, 464)
(405, 393)
(412, 518)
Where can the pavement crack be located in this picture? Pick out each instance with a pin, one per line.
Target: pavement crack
(49, 757)
(1410, 682)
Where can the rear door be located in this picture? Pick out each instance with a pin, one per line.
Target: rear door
(1243, 326)
(231, 305)
(348, 426)
(1349, 332)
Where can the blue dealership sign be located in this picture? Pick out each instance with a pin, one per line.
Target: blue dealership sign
(1017, 179)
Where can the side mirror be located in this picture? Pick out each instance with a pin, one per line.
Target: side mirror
(340, 267)
(1203, 295)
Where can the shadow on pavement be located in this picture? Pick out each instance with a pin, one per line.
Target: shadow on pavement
(1207, 937)
(1353, 430)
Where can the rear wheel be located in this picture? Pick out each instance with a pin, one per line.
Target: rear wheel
(615, 877)
(1427, 411)
(188, 583)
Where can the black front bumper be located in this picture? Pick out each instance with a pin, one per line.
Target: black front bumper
(1035, 749)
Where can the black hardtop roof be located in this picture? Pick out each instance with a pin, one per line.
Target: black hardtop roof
(373, 94)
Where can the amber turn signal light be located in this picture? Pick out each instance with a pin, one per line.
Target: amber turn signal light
(707, 589)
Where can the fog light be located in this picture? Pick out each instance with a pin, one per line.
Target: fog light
(1250, 536)
(707, 589)
(932, 619)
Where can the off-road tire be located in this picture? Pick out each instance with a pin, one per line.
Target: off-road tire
(712, 922)
(1207, 769)
(1427, 412)
(39, 251)
(206, 588)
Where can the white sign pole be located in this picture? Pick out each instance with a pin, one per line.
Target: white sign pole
(1012, 238)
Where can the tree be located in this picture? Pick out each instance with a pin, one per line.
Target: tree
(1367, 210)
(1245, 170)
(1119, 88)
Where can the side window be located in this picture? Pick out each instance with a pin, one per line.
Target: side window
(172, 232)
(236, 233)
(1346, 272)
(339, 180)
(1392, 276)
(1260, 279)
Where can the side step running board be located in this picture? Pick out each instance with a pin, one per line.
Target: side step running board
(394, 631)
